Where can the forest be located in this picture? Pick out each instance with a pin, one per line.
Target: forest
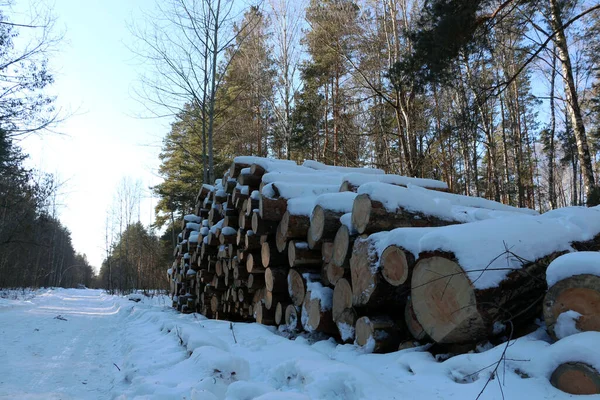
(500, 99)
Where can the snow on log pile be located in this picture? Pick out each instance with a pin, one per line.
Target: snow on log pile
(385, 261)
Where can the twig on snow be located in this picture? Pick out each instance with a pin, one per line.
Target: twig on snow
(232, 332)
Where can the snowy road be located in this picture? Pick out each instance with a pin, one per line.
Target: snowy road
(107, 347)
(70, 357)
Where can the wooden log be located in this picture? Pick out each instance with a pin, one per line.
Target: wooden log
(579, 293)
(292, 318)
(352, 182)
(203, 193)
(335, 273)
(326, 214)
(250, 180)
(242, 294)
(377, 334)
(370, 216)
(280, 311)
(271, 299)
(369, 289)
(255, 282)
(254, 264)
(263, 315)
(245, 221)
(240, 272)
(324, 223)
(271, 257)
(299, 255)
(294, 226)
(345, 324)
(297, 284)
(252, 241)
(272, 209)
(236, 168)
(342, 298)
(231, 221)
(342, 247)
(251, 204)
(327, 251)
(261, 226)
(228, 236)
(576, 378)
(453, 310)
(214, 304)
(276, 279)
(319, 312)
(280, 240)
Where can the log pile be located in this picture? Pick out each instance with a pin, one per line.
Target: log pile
(379, 260)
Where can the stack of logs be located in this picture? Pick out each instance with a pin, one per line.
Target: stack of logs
(294, 246)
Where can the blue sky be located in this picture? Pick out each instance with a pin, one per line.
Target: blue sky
(105, 140)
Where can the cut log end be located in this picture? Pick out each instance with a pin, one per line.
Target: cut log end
(342, 298)
(394, 266)
(345, 324)
(444, 301)
(317, 223)
(579, 293)
(341, 246)
(576, 378)
(292, 319)
(361, 212)
(296, 287)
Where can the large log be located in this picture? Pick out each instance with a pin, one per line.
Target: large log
(452, 310)
(353, 181)
(579, 293)
(370, 216)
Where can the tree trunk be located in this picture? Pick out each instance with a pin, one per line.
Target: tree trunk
(573, 107)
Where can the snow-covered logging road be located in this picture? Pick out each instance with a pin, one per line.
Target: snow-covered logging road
(106, 347)
(61, 345)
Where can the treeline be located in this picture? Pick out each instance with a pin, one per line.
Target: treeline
(136, 257)
(499, 99)
(136, 261)
(35, 248)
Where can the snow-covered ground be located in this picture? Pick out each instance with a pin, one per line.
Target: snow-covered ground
(107, 347)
